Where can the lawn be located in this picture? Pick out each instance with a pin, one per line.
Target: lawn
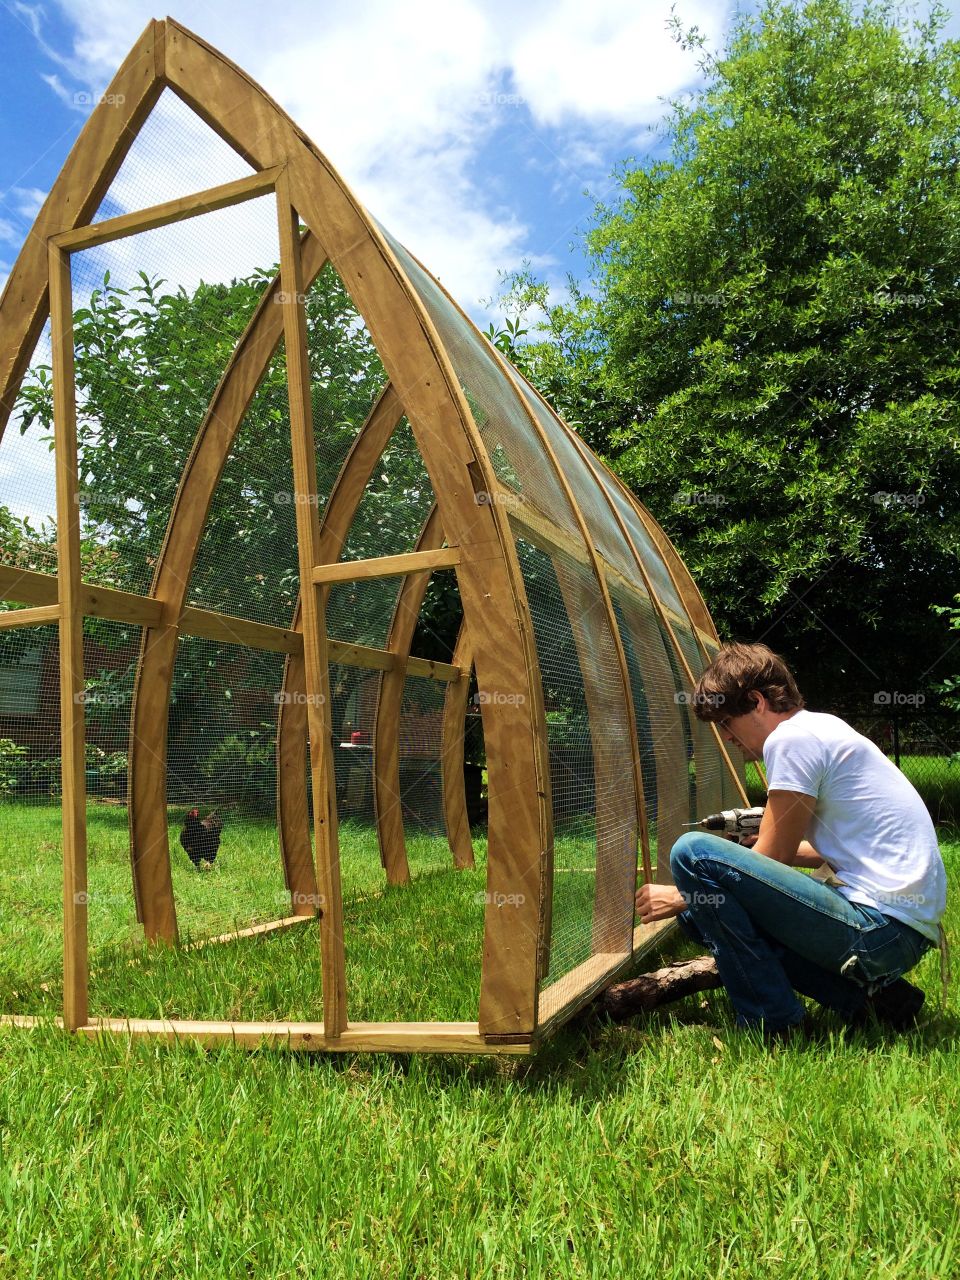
(670, 1147)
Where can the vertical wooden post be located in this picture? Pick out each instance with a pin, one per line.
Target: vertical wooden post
(317, 670)
(72, 736)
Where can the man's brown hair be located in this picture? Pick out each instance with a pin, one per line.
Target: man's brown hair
(724, 688)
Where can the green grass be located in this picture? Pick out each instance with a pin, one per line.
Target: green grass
(670, 1147)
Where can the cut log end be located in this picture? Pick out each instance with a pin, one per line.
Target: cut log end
(650, 990)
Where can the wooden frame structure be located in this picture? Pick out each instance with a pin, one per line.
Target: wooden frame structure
(637, 621)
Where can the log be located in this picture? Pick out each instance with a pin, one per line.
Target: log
(640, 995)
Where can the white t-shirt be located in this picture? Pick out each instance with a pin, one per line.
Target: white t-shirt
(869, 822)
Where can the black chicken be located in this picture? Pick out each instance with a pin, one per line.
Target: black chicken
(201, 838)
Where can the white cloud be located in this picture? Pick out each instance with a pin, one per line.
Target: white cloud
(403, 98)
(29, 201)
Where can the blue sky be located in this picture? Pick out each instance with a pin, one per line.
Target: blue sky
(480, 134)
(472, 131)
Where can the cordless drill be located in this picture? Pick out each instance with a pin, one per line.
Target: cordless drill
(734, 823)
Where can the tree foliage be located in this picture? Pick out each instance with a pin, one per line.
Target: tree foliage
(769, 348)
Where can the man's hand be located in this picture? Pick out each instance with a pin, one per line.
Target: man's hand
(659, 902)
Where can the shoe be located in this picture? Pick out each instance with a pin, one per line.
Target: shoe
(793, 1033)
(897, 1005)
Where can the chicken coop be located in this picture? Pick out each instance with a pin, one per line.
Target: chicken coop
(290, 549)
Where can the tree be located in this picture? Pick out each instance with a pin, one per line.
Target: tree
(148, 359)
(771, 337)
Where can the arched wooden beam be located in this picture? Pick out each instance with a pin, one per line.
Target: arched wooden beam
(345, 496)
(240, 112)
(387, 800)
(74, 198)
(149, 836)
(455, 816)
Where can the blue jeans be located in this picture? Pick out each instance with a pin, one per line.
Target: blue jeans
(775, 931)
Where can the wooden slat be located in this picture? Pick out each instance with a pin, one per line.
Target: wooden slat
(386, 566)
(14, 618)
(455, 816)
(232, 630)
(72, 734)
(387, 799)
(314, 618)
(162, 215)
(357, 1037)
(26, 586)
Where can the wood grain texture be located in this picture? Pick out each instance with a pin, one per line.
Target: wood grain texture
(316, 665)
(386, 566)
(387, 795)
(72, 729)
(16, 618)
(453, 728)
(163, 215)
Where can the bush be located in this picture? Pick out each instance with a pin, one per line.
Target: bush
(12, 761)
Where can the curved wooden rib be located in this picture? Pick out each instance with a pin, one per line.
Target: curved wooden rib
(491, 585)
(83, 181)
(455, 816)
(345, 496)
(387, 800)
(149, 837)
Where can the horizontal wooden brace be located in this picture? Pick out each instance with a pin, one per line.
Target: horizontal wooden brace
(25, 586)
(162, 215)
(43, 614)
(387, 566)
(369, 1037)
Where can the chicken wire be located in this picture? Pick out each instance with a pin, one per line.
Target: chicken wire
(31, 895)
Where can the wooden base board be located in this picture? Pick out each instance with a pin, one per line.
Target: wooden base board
(364, 1037)
(562, 999)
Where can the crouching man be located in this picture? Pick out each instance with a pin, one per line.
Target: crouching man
(834, 798)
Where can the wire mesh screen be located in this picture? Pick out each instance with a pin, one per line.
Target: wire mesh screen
(28, 497)
(421, 788)
(174, 154)
(247, 562)
(31, 911)
(708, 764)
(659, 725)
(156, 319)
